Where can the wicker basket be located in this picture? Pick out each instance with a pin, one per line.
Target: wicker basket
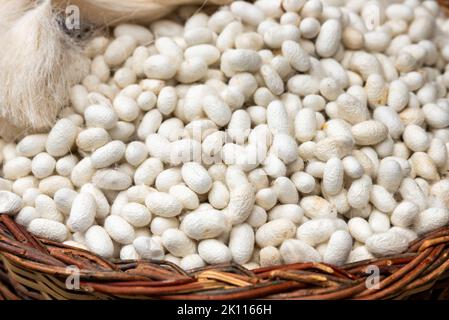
(32, 268)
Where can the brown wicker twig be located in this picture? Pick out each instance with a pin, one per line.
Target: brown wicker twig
(32, 268)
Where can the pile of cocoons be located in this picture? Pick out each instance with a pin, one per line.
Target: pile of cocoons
(263, 133)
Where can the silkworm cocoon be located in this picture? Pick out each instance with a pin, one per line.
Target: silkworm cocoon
(241, 243)
(297, 57)
(272, 79)
(360, 229)
(369, 132)
(218, 195)
(196, 177)
(108, 154)
(438, 152)
(110, 179)
(51, 184)
(214, 252)
(305, 125)
(10, 203)
(136, 214)
(303, 85)
(217, 110)
(119, 50)
(291, 212)
(167, 100)
(379, 222)
(278, 34)
(17, 168)
(404, 214)
(82, 172)
(270, 256)
(150, 123)
(390, 118)
(61, 138)
(423, 166)
(177, 243)
(149, 247)
(410, 191)
(142, 35)
(317, 207)
(100, 116)
(315, 169)
(148, 171)
(316, 231)
(285, 191)
(213, 143)
(329, 37)
(82, 212)
(304, 182)
(64, 199)
(398, 95)
(241, 202)
(160, 67)
(31, 145)
(192, 261)
(21, 185)
(65, 165)
(352, 167)
(365, 64)
(137, 193)
(389, 175)
(333, 176)
(330, 88)
(48, 229)
(204, 224)
(294, 251)
(247, 12)
(188, 199)
(42, 166)
(119, 229)
(430, 219)
(382, 199)
(386, 243)
(239, 126)
(333, 147)
(168, 178)
(136, 152)
(416, 138)
(359, 254)
(266, 198)
(440, 190)
(146, 100)
(26, 215)
(274, 232)
(208, 53)
(163, 204)
(409, 234)
(240, 60)
(436, 116)
(128, 252)
(91, 139)
(46, 208)
(351, 109)
(338, 248)
(160, 224)
(126, 108)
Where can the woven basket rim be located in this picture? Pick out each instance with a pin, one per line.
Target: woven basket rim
(32, 268)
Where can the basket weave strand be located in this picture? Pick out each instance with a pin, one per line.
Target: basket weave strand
(32, 268)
